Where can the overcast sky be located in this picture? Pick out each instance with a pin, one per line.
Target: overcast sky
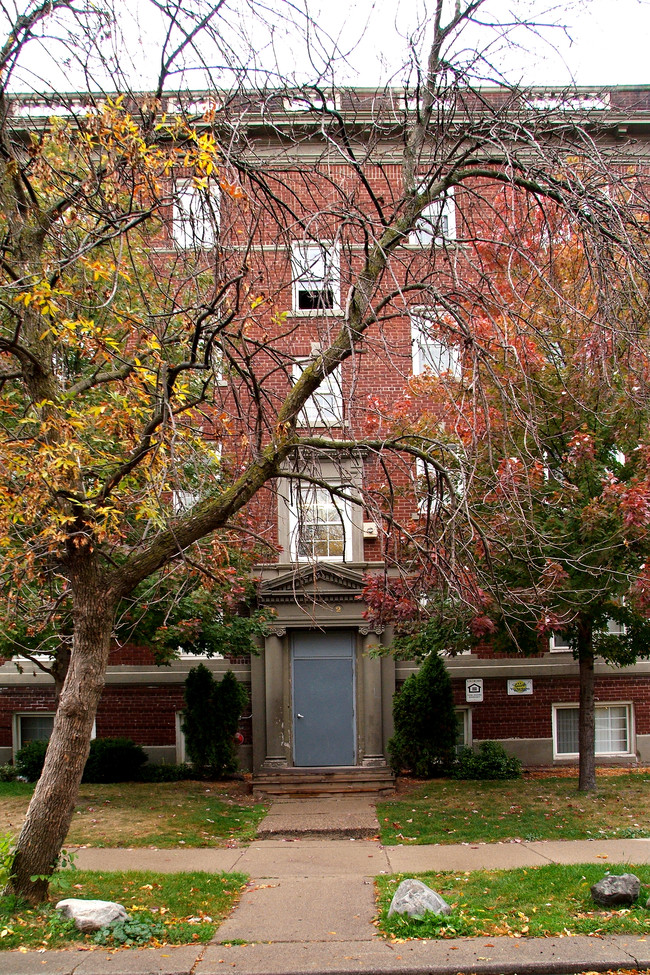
(597, 42)
(606, 41)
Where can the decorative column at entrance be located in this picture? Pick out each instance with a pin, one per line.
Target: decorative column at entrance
(276, 756)
(372, 701)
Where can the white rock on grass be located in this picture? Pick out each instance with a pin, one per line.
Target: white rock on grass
(91, 915)
(414, 898)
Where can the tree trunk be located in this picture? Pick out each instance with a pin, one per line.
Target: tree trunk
(586, 714)
(50, 811)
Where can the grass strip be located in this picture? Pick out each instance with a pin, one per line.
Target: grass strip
(533, 902)
(170, 909)
(446, 811)
(135, 814)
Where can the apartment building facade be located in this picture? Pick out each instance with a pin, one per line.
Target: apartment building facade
(322, 684)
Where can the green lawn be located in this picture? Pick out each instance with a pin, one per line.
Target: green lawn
(163, 814)
(161, 903)
(532, 902)
(447, 811)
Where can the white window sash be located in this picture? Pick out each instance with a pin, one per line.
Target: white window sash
(613, 730)
(316, 273)
(435, 355)
(196, 216)
(324, 408)
(318, 519)
(437, 222)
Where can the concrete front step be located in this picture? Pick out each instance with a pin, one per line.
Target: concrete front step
(327, 781)
(322, 818)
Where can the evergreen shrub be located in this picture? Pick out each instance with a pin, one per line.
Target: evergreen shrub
(490, 762)
(425, 721)
(210, 721)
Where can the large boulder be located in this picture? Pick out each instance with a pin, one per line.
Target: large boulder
(414, 898)
(91, 915)
(616, 889)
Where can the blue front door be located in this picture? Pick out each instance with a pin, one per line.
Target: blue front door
(324, 731)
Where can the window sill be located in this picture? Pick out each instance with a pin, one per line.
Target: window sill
(315, 313)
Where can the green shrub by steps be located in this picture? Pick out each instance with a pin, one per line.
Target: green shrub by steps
(490, 762)
(425, 722)
(210, 721)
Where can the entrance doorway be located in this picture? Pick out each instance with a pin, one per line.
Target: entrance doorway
(324, 727)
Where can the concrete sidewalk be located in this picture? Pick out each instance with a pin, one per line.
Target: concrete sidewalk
(310, 903)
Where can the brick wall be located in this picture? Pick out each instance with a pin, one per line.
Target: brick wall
(145, 714)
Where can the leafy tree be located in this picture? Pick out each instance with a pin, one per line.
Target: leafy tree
(552, 474)
(146, 355)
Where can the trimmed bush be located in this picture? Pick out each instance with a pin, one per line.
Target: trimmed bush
(210, 721)
(490, 762)
(114, 760)
(30, 759)
(8, 773)
(425, 722)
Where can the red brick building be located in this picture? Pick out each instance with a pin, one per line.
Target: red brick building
(320, 700)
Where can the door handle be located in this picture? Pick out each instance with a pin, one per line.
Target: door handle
(300, 715)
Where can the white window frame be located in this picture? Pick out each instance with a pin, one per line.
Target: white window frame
(316, 269)
(181, 753)
(196, 216)
(324, 408)
(16, 726)
(434, 355)
(600, 706)
(343, 509)
(464, 718)
(437, 222)
(559, 644)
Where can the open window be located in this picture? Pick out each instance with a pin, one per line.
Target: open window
(196, 216)
(316, 276)
(437, 222)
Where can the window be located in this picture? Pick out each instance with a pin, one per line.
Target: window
(613, 730)
(464, 729)
(320, 525)
(558, 643)
(34, 726)
(433, 351)
(183, 501)
(324, 408)
(195, 221)
(437, 222)
(316, 282)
